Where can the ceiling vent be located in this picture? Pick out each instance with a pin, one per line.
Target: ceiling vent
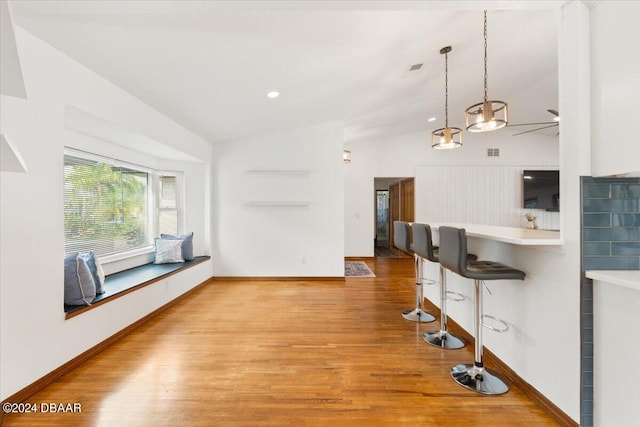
(493, 152)
(415, 67)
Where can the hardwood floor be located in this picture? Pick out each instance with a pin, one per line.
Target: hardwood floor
(268, 353)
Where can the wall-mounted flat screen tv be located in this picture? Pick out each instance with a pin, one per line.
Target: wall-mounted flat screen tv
(541, 190)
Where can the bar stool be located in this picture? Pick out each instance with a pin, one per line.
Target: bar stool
(401, 239)
(423, 246)
(453, 256)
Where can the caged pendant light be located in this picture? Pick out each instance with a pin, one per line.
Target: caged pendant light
(487, 115)
(446, 137)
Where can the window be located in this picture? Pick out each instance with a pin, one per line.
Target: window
(106, 206)
(112, 207)
(168, 205)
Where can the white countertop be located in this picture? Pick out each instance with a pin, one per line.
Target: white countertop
(513, 235)
(625, 278)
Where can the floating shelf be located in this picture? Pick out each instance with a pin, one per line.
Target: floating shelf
(276, 172)
(283, 204)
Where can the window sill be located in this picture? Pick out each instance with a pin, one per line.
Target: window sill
(124, 282)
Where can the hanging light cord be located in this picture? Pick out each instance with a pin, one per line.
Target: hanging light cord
(446, 90)
(485, 56)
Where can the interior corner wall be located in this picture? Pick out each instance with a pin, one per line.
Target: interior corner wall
(279, 204)
(35, 338)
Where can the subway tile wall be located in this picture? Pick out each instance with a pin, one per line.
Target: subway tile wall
(610, 241)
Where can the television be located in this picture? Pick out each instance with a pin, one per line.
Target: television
(541, 190)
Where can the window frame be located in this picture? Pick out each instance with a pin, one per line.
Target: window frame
(179, 209)
(153, 201)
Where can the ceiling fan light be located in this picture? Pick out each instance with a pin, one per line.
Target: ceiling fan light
(486, 116)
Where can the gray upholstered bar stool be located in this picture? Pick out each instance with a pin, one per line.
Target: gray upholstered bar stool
(453, 256)
(423, 246)
(402, 240)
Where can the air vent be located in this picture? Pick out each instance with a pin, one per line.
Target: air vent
(493, 152)
(415, 67)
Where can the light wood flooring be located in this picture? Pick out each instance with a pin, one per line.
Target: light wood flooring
(279, 353)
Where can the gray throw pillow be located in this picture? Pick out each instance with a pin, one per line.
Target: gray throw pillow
(187, 244)
(79, 286)
(167, 251)
(96, 271)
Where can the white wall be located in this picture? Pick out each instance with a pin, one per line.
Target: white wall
(616, 354)
(615, 149)
(34, 335)
(281, 240)
(615, 85)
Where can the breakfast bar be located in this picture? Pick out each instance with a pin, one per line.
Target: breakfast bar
(513, 235)
(530, 344)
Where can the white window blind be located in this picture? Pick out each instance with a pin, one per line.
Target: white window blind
(105, 206)
(168, 205)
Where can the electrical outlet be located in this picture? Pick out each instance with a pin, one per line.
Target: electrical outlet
(303, 260)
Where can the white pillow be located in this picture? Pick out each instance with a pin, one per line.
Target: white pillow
(168, 251)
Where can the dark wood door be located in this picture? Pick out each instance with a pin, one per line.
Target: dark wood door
(407, 200)
(394, 208)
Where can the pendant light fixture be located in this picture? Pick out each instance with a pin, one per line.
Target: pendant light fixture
(446, 137)
(487, 115)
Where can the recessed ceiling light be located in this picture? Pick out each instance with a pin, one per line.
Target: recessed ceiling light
(431, 119)
(273, 94)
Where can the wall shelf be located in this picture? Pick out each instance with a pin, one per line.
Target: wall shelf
(277, 204)
(276, 172)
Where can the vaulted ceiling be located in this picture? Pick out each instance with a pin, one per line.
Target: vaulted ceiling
(208, 65)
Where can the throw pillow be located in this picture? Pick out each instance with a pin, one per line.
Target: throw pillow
(187, 244)
(79, 286)
(168, 251)
(96, 271)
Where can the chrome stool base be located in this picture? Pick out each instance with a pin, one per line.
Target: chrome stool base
(443, 339)
(418, 315)
(479, 379)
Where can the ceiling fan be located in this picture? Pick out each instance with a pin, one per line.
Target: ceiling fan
(541, 125)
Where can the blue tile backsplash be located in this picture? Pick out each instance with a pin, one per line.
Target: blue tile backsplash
(610, 241)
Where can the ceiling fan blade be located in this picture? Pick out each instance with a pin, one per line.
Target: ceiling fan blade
(554, 112)
(533, 130)
(533, 124)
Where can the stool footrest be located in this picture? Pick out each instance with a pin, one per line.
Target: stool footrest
(505, 327)
(459, 296)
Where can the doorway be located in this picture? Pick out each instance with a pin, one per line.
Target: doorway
(394, 201)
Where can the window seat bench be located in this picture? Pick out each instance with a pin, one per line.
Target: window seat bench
(120, 284)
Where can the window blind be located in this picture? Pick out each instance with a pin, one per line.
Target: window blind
(105, 206)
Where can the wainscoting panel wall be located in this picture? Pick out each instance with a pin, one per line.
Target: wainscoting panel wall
(477, 194)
